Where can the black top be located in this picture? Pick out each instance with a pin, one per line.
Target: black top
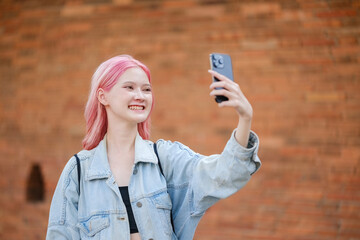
(124, 191)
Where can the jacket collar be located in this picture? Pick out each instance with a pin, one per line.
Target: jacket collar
(100, 167)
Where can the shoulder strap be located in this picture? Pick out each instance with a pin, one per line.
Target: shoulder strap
(162, 173)
(78, 169)
(157, 155)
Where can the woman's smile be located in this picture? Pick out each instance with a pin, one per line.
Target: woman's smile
(136, 107)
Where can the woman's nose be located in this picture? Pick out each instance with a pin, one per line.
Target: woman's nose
(139, 95)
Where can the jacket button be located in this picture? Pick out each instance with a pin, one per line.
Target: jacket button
(121, 218)
(139, 204)
(135, 171)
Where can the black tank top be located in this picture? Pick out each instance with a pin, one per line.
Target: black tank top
(124, 191)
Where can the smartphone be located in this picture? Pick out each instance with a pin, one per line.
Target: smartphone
(221, 63)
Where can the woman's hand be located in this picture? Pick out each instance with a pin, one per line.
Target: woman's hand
(237, 100)
(232, 91)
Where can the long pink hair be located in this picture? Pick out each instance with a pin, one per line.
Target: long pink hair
(105, 77)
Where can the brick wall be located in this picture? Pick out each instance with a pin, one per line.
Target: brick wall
(296, 61)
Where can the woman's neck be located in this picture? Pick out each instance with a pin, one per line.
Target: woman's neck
(120, 138)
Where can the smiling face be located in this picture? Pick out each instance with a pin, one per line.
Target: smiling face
(130, 99)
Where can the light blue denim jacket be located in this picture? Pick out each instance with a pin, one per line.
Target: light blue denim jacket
(190, 185)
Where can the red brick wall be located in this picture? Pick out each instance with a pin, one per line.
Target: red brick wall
(296, 61)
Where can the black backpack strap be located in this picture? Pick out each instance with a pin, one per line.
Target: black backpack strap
(78, 169)
(162, 173)
(157, 155)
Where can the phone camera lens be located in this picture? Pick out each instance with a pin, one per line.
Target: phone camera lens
(218, 61)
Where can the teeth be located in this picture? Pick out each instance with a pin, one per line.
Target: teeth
(136, 107)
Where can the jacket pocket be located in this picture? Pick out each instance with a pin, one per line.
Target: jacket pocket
(92, 227)
(163, 201)
(163, 205)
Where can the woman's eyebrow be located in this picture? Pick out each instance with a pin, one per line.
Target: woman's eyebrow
(131, 82)
(128, 82)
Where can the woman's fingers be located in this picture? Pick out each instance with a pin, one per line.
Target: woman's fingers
(231, 90)
(223, 82)
(219, 76)
(231, 87)
(222, 92)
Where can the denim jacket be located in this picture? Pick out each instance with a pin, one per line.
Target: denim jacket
(190, 185)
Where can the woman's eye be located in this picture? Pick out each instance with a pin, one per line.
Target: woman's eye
(129, 87)
(147, 89)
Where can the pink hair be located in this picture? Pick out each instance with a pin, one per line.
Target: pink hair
(105, 77)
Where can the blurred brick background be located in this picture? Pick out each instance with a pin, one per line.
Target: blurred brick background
(296, 61)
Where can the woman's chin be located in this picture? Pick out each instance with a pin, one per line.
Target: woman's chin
(133, 118)
(139, 119)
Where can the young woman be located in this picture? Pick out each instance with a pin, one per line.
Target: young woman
(122, 193)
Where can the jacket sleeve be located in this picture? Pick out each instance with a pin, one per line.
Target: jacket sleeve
(64, 205)
(209, 178)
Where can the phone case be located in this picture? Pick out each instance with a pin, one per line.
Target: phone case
(221, 63)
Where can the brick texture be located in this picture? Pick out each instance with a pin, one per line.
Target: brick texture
(296, 61)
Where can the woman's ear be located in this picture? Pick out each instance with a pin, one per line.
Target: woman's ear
(100, 93)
